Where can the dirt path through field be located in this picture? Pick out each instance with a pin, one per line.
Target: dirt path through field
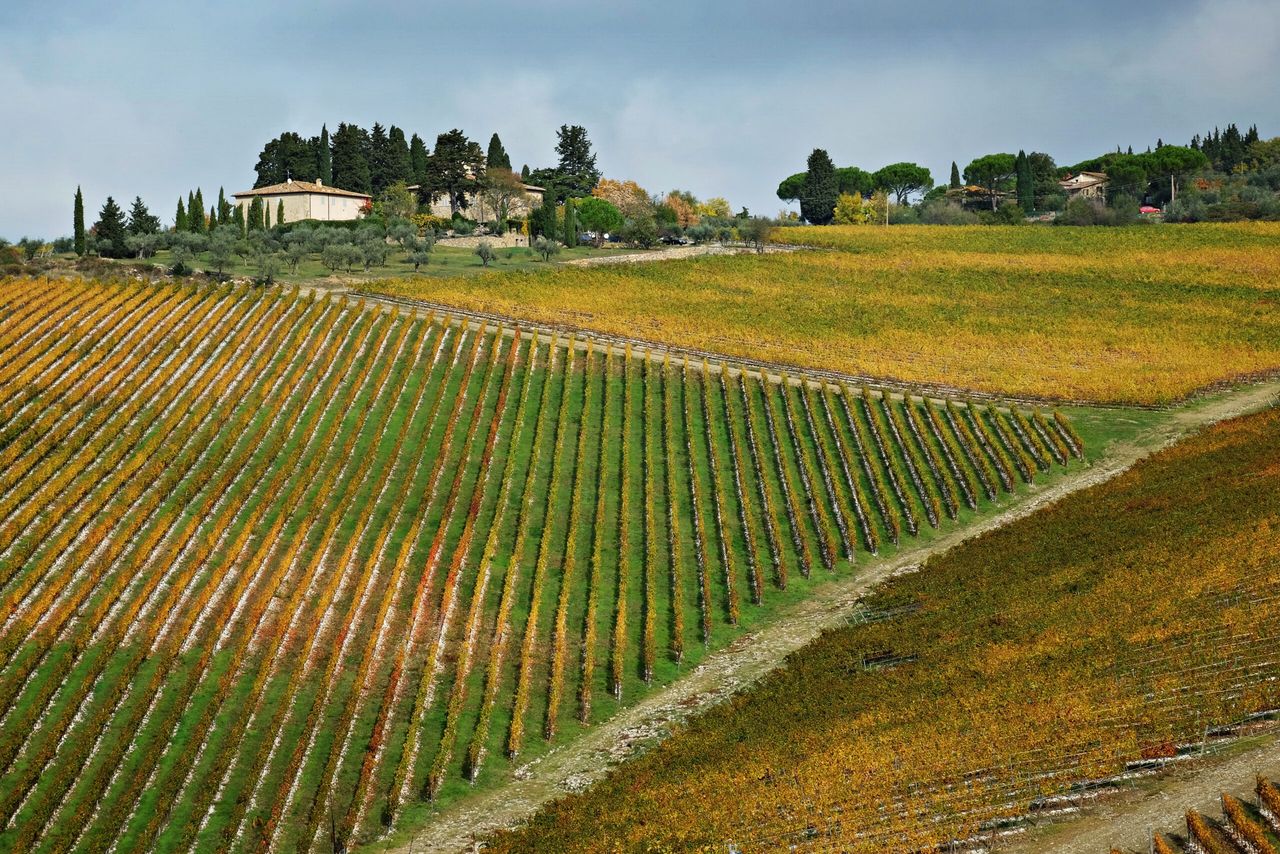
(572, 766)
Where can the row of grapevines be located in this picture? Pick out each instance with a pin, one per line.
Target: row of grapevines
(823, 453)
(618, 645)
(674, 556)
(596, 562)
(926, 454)
(913, 460)
(951, 452)
(869, 536)
(768, 509)
(789, 499)
(826, 548)
(649, 450)
(889, 460)
(977, 448)
(717, 495)
(524, 678)
(874, 478)
(560, 627)
(750, 537)
(695, 514)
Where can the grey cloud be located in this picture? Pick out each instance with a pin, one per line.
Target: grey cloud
(722, 98)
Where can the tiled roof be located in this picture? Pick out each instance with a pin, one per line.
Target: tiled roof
(1084, 179)
(300, 187)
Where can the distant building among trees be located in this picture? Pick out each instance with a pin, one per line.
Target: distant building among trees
(298, 200)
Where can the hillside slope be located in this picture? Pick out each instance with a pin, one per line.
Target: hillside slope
(1143, 315)
(1111, 627)
(282, 572)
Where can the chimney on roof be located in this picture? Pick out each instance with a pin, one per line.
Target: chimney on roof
(319, 182)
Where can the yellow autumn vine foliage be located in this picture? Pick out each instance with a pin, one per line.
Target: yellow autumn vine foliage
(1143, 315)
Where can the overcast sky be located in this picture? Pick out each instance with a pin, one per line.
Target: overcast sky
(721, 98)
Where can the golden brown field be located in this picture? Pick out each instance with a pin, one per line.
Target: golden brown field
(1142, 315)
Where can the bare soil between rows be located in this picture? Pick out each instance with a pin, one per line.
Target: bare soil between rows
(573, 766)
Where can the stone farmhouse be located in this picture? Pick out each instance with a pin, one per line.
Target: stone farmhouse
(306, 200)
(520, 207)
(1091, 185)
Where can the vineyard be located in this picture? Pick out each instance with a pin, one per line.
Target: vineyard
(275, 570)
(1125, 315)
(1108, 633)
(1243, 828)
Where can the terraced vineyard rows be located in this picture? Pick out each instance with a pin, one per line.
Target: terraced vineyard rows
(274, 570)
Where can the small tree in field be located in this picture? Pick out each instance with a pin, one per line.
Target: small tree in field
(268, 264)
(848, 210)
(755, 232)
(641, 230)
(143, 245)
(334, 256)
(186, 246)
(484, 251)
(546, 247)
(222, 247)
(295, 252)
(420, 249)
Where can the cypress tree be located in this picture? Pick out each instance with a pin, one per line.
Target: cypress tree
(418, 160)
(401, 163)
(237, 218)
(190, 218)
(497, 157)
(78, 224)
(818, 202)
(570, 224)
(524, 173)
(955, 176)
(326, 156)
(280, 212)
(255, 214)
(195, 213)
(224, 208)
(380, 159)
(542, 221)
(1026, 185)
(180, 220)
